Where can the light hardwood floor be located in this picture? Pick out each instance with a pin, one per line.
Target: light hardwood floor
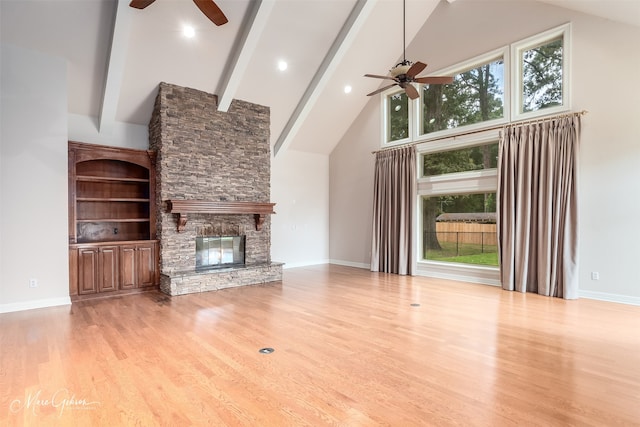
(350, 350)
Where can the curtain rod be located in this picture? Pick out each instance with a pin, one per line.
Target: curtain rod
(516, 123)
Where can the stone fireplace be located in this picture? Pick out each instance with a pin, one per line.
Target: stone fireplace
(213, 182)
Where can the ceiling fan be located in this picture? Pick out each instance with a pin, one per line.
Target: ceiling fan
(405, 72)
(208, 7)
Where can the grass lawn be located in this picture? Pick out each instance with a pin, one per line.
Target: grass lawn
(465, 253)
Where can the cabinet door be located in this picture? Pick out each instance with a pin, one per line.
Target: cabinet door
(146, 260)
(127, 267)
(108, 267)
(73, 272)
(87, 271)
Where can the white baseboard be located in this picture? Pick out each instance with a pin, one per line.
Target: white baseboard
(350, 264)
(304, 263)
(326, 261)
(30, 305)
(460, 272)
(603, 296)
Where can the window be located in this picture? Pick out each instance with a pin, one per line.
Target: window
(397, 125)
(541, 73)
(455, 126)
(460, 229)
(466, 159)
(476, 95)
(457, 191)
(529, 79)
(542, 76)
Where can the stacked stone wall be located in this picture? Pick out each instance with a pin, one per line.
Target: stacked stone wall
(206, 154)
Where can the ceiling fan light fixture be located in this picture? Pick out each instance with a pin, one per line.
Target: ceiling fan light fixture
(400, 69)
(406, 72)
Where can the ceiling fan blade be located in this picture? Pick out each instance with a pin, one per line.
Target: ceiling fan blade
(212, 11)
(434, 80)
(140, 4)
(375, 76)
(411, 91)
(375, 92)
(416, 69)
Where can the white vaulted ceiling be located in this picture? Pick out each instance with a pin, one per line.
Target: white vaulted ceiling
(118, 55)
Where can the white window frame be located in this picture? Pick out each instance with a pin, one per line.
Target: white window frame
(503, 53)
(385, 118)
(564, 32)
(470, 182)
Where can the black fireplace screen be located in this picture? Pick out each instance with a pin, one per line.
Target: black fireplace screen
(217, 252)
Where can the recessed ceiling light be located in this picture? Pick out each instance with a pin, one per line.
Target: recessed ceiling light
(188, 31)
(347, 89)
(282, 65)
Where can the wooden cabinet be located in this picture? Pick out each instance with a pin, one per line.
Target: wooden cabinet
(105, 267)
(146, 271)
(138, 265)
(128, 267)
(108, 268)
(112, 227)
(87, 271)
(97, 269)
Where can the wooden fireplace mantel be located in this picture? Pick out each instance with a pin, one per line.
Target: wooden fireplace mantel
(184, 207)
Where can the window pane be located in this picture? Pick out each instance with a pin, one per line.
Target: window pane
(460, 228)
(467, 159)
(398, 126)
(542, 76)
(475, 96)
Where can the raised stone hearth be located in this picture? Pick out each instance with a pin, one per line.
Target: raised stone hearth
(213, 173)
(191, 281)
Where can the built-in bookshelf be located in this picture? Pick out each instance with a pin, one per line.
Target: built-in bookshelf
(111, 219)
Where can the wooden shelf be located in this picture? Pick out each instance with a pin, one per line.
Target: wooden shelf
(109, 186)
(184, 207)
(114, 220)
(93, 178)
(110, 199)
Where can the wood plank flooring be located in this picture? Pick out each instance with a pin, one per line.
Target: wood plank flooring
(350, 350)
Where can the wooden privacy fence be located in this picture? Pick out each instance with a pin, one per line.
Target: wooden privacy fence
(467, 232)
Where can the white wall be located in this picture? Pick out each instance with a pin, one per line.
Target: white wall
(300, 227)
(351, 171)
(33, 180)
(127, 135)
(605, 62)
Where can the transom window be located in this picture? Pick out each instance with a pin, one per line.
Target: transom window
(541, 73)
(466, 159)
(541, 76)
(476, 95)
(530, 79)
(398, 117)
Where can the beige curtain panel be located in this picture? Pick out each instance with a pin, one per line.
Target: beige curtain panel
(393, 206)
(537, 207)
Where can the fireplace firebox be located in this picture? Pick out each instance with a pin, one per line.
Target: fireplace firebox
(219, 251)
